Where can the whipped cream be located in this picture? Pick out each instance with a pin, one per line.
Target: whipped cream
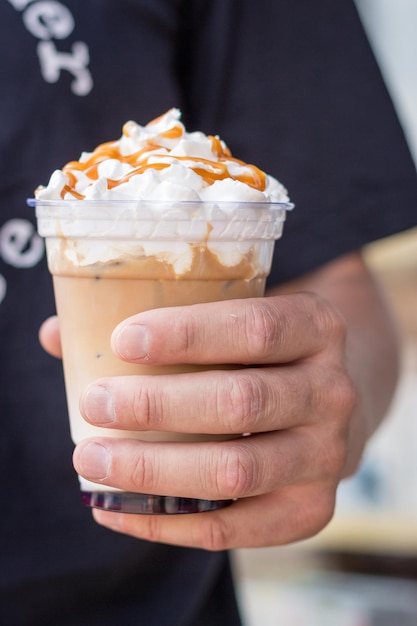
(157, 192)
(162, 161)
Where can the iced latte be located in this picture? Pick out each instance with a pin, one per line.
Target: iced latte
(158, 218)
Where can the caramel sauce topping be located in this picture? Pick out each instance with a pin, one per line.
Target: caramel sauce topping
(210, 171)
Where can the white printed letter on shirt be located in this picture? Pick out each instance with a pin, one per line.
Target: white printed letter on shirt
(20, 245)
(76, 62)
(49, 20)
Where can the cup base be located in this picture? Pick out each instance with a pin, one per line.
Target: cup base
(148, 504)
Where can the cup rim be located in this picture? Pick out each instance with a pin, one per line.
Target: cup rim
(34, 202)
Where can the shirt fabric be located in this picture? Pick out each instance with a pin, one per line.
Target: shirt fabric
(290, 86)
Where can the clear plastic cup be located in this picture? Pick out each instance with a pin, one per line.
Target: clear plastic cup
(111, 260)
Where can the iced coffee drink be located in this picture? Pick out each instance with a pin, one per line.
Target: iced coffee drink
(158, 218)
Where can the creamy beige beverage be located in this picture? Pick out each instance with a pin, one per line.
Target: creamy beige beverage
(158, 218)
(92, 301)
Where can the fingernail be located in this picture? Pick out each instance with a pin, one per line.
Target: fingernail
(98, 406)
(132, 342)
(94, 461)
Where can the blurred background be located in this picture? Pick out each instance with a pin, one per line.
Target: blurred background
(362, 569)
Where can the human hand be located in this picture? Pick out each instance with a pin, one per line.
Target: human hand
(49, 337)
(294, 395)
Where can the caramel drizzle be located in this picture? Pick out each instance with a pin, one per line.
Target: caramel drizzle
(210, 171)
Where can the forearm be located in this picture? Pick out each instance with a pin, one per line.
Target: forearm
(371, 343)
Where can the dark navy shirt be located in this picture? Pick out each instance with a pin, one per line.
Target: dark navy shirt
(290, 86)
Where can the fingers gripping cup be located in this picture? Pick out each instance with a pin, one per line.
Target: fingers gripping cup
(113, 256)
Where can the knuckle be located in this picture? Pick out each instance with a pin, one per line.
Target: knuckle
(326, 319)
(153, 528)
(185, 336)
(335, 452)
(146, 409)
(235, 473)
(263, 329)
(311, 510)
(336, 394)
(314, 512)
(241, 404)
(336, 456)
(322, 512)
(340, 396)
(331, 322)
(143, 475)
(215, 534)
(347, 395)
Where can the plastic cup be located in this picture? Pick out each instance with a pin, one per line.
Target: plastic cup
(110, 260)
